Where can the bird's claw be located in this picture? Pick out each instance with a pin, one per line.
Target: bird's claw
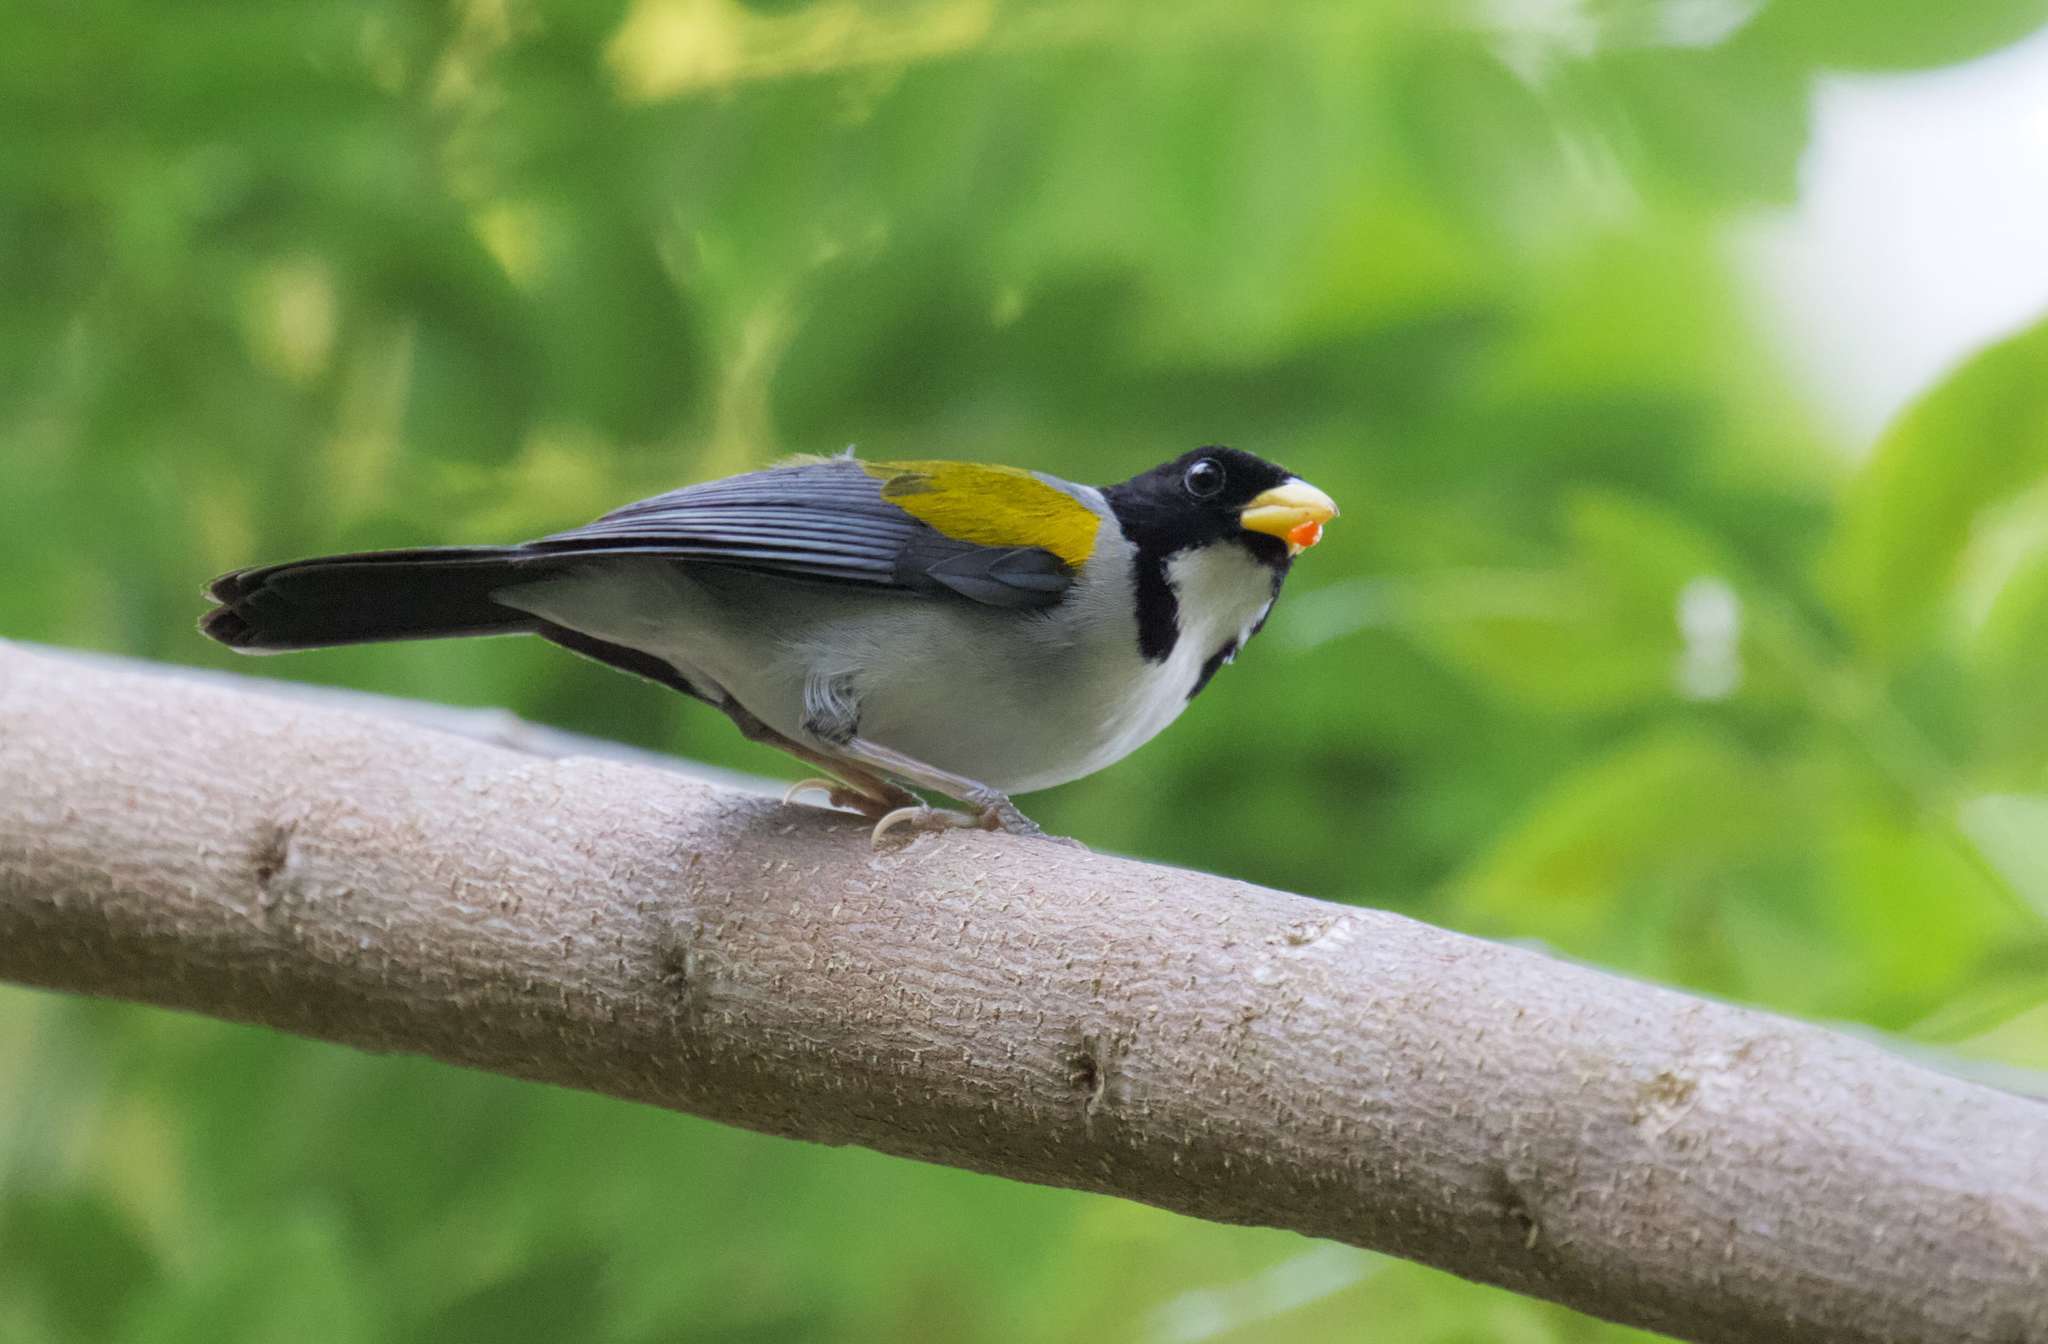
(839, 794)
(1001, 815)
(920, 817)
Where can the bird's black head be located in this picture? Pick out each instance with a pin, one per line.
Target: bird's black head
(1220, 495)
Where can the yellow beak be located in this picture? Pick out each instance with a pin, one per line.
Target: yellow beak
(1294, 511)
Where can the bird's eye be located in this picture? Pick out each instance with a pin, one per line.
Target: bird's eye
(1204, 479)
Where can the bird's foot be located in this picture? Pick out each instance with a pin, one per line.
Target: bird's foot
(920, 817)
(837, 793)
(873, 798)
(998, 814)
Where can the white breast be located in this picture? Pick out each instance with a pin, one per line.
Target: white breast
(1107, 699)
(1224, 593)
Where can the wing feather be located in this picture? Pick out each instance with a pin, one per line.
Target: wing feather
(828, 520)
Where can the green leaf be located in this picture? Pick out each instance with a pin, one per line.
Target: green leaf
(1663, 808)
(1975, 441)
(77, 1255)
(1650, 609)
(1914, 916)
(2004, 647)
(2011, 832)
(1891, 34)
(558, 1297)
(1480, 140)
(1710, 125)
(289, 1276)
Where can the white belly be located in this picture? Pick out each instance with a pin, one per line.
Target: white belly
(1015, 700)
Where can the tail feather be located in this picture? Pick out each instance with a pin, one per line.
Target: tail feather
(369, 597)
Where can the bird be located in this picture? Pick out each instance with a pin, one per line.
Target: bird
(966, 629)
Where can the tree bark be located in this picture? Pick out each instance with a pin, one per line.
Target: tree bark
(1010, 1006)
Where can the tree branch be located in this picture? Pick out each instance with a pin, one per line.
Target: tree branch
(1009, 1006)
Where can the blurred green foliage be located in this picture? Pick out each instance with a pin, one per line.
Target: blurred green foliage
(1613, 648)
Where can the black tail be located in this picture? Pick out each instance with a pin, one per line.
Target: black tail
(377, 595)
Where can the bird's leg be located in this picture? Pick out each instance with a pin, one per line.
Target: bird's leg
(993, 809)
(832, 716)
(851, 786)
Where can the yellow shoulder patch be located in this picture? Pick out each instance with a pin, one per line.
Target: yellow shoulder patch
(990, 506)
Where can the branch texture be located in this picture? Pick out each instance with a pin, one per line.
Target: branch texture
(1010, 1006)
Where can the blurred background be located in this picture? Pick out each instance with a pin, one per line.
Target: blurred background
(1680, 366)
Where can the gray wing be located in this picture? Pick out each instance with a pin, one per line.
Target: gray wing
(821, 520)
